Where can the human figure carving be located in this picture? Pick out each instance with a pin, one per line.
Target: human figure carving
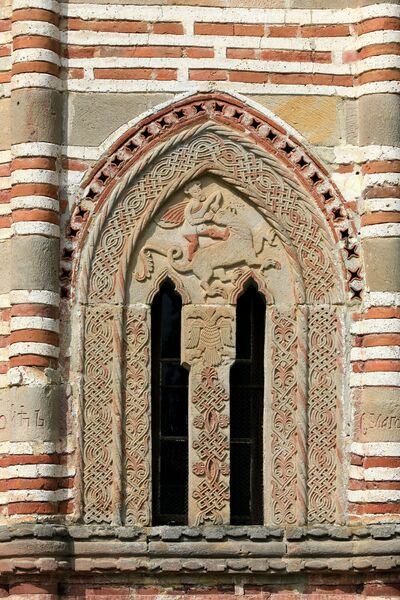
(209, 217)
(192, 214)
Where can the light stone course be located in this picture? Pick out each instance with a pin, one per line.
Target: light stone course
(382, 264)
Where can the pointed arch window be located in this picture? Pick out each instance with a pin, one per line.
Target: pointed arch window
(246, 410)
(169, 390)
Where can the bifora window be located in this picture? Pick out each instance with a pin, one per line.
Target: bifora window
(170, 410)
(211, 207)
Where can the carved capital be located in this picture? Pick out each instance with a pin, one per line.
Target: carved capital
(208, 336)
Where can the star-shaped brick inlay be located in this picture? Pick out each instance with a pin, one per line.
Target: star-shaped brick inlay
(352, 252)
(354, 274)
(287, 148)
(327, 196)
(337, 213)
(355, 294)
(302, 163)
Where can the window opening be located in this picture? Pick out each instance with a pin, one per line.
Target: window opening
(246, 410)
(169, 387)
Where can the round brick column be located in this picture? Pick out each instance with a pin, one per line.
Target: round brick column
(34, 321)
(373, 491)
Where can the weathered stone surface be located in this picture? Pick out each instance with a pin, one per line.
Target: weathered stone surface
(36, 116)
(316, 117)
(5, 130)
(383, 111)
(5, 264)
(37, 258)
(382, 264)
(348, 111)
(32, 413)
(89, 127)
(377, 417)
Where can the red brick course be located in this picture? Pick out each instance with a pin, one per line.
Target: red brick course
(157, 74)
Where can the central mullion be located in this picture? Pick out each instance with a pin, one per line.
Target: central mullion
(208, 348)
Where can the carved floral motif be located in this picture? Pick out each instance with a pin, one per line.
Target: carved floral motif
(137, 418)
(283, 414)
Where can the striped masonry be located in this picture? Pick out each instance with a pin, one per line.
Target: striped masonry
(349, 51)
(34, 483)
(374, 473)
(34, 190)
(117, 48)
(374, 481)
(5, 47)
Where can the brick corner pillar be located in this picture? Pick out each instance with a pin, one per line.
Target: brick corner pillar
(34, 394)
(374, 492)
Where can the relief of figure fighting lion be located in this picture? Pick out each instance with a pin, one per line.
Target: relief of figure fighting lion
(230, 243)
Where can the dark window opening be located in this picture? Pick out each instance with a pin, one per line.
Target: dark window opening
(246, 410)
(169, 387)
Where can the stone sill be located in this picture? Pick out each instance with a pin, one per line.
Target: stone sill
(221, 550)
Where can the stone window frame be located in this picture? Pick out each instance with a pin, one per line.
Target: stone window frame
(125, 330)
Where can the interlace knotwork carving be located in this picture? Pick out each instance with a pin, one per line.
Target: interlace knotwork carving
(283, 410)
(97, 440)
(246, 192)
(323, 414)
(255, 176)
(137, 418)
(212, 447)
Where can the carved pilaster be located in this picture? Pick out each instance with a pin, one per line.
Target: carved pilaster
(286, 417)
(98, 395)
(208, 340)
(323, 413)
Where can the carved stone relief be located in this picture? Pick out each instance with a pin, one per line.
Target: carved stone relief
(208, 340)
(97, 438)
(263, 182)
(210, 214)
(286, 416)
(323, 413)
(210, 238)
(137, 417)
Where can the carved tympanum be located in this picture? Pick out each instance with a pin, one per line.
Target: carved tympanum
(209, 235)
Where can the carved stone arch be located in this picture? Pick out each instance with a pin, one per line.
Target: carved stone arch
(259, 167)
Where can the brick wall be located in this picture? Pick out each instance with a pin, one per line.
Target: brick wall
(74, 79)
